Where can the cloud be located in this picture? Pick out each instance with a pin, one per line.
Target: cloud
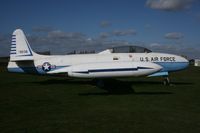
(118, 33)
(174, 35)
(183, 49)
(169, 5)
(155, 45)
(104, 35)
(42, 29)
(59, 42)
(128, 32)
(105, 24)
(57, 34)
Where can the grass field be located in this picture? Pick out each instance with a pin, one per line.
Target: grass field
(40, 104)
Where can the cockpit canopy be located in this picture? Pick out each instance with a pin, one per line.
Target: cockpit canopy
(129, 49)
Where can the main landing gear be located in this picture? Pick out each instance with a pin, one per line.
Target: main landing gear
(166, 81)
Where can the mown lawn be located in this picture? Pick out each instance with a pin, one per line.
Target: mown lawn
(40, 104)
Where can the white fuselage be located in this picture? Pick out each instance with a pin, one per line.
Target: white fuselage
(108, 65)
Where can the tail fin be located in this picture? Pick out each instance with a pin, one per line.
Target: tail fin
(20, 48)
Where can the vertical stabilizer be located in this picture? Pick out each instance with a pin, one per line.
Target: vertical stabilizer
(20, 48)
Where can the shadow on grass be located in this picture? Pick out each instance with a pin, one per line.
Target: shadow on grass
(113, 86)
(123, 92)
(117, 87)
(108, 82)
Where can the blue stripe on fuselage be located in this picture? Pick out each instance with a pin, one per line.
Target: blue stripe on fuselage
(172, 66)
(107, 70)
(112, 70)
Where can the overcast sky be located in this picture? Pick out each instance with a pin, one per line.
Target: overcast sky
(61, 26)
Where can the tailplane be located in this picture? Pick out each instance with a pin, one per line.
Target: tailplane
(20, 48)
(21, 54)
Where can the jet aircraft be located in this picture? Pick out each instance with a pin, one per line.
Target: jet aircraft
(124, 61)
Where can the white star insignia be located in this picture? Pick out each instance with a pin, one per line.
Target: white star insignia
(46, 66)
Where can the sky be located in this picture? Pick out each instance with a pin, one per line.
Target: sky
(62, 26)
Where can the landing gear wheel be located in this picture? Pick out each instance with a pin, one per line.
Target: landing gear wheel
(166, 81)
